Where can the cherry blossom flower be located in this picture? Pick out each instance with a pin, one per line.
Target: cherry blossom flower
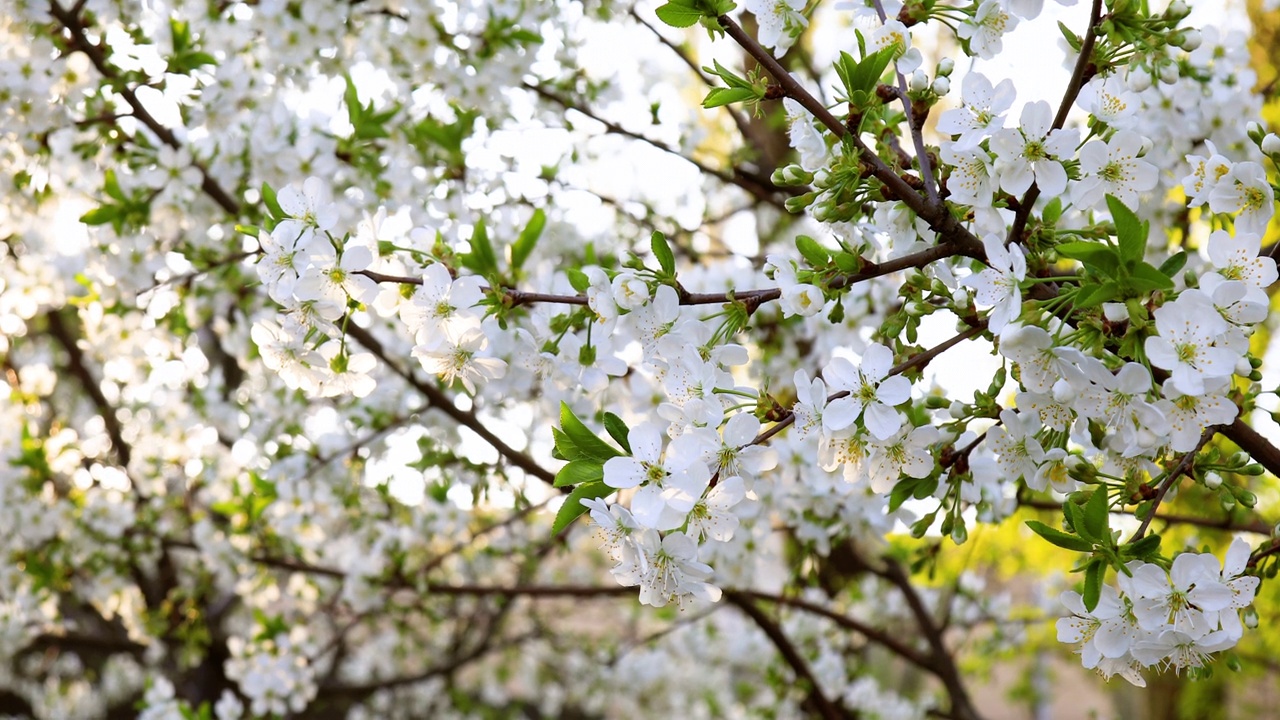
(1204, 176)
(456, 356)
(1034, 152)
(1188, 329)
(998, 285)
(806, 137)
(983, 110)
(872, 393)
(1113, 168)
(985, 32)
(1238, 257)
(1245, 190)
(780, 22)
(674, 571)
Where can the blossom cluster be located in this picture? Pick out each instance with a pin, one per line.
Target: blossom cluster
(1168, 618)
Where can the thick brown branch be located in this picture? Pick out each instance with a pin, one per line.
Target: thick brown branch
(442, 402)
(70, 19)
(821, 704)
(79, 369)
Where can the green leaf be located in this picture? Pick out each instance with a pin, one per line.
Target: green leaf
(528, 239)
(727, 96)
(662, 251)
(1146, 278)
(1130, 231)
(101, 215)
(573, 506)
(1059, 538)
(579, 471)
(903, 490)
(815, 254)
(847, 262)
(1072, 39)
(481, 260)
(1144, 548)
(589, 446)
(1098, 257)
(1075, 518)
(1094, 573)
(679, 15)
(578, 279)
(111, 186)
(565, 447)
(618, 430)
(273, 205)
(728, 76)
(1096, 516)
(1094, 295)
(1052, 211)
(1174, 264)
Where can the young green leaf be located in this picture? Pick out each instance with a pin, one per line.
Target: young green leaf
(1130, 231)
(524, 244)
(679, 14)
(662, 251)
(1059, 538)
(579, 471)
(481, 260)
(589, 446)
(618, 430)
(1097, 257)
(1173, 264)
(815, 254)
(573, 506)
(727, 96)
(1094, 573)
(1096, 516)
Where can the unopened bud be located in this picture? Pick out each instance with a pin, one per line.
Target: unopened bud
(1139, 79)
(959, 534)
(1177, 10)
(1169, 73)
(1212, 480)
(1191, 40)
(1254, 129)
(941, 86)
(1271, 144)
(957, 410)
(1250, 618)
(945, 66)
(919, 81)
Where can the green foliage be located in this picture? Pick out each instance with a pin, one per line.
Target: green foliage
(1117, 272)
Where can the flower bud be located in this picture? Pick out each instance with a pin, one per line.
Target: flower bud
(1271, 144)
(1254, 130)
(941, 86)
(1243, 367)
(1191, 40)
(1250, 618)
(945, 67)
(919, 81)
(957, 410)
(1177, 10)
(959, 533)
(1212, 480)
(1169, 73)
(1247, 498)
(1139, 79)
